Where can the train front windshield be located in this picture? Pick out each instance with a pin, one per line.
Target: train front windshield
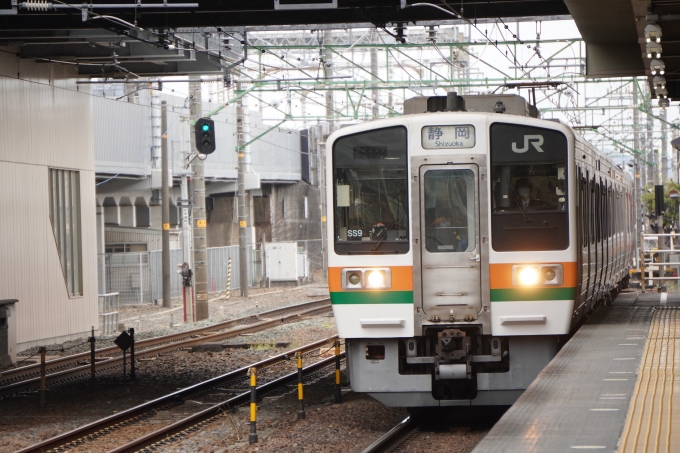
(371, 192)
(529, 187)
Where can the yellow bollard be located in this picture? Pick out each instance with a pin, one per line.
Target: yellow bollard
(301, 395)
(252, 439)
(338, 392)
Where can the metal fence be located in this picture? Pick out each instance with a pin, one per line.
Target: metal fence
(218, 261)
(156, 273)
(314, 252)
(108, 313)
(126, 274)
(138, 276)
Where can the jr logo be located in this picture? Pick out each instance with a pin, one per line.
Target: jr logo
(536, 140)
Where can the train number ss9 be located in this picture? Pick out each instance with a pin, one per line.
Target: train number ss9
(355, 234)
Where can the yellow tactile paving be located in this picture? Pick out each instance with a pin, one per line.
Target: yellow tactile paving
(653, 423)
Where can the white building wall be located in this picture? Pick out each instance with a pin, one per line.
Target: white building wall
(44, 122)
(153, 239)
(123, 140)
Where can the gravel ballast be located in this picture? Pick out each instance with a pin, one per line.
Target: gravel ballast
(348, 427)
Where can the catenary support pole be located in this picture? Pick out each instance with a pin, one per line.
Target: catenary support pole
(653, 174)
(664, 146)
(200, 222)
(187, 253)
(637, 174)
(243, 216)
(165, 206)
(330, 113)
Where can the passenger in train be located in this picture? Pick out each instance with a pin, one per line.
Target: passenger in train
(523, 194)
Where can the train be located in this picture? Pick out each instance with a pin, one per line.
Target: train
(467, 239)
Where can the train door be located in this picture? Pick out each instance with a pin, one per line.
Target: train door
(449, 219)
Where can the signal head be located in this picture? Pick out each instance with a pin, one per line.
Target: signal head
(204, 135)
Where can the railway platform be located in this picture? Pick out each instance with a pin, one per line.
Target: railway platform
(612, 387)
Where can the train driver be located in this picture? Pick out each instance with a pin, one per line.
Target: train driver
(522, 193)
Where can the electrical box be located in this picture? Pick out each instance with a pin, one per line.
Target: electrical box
(8, 334)
(302, 266)
(281, 261)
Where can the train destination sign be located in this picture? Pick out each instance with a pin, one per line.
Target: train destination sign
(448, 137)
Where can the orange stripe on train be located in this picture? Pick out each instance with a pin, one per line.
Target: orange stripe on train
(402, 277)
(500, 275)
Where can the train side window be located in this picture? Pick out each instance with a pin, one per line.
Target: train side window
(598, 212)
(584, 211)
(591, 210)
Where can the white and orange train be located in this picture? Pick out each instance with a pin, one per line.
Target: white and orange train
(465, 245)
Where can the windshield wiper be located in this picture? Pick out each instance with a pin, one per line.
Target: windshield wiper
(518, 202)
(384, 235)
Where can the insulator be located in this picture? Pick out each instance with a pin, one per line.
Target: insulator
(37, 5)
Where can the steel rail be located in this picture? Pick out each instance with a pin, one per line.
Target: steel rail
(62, 362)
(79, 435)
(168, 344)
(391, 437)
(85, 356)
(167, 434)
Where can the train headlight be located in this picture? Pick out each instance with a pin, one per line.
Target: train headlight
(528, 276)
(366, 278)
(537, 275)
(548, 274)
(354, 279)
(376, 279)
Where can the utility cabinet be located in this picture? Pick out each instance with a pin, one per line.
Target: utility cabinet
(8, 334)
(281, 262)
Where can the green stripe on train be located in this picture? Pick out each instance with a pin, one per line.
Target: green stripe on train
(517, 294)
(372, 297)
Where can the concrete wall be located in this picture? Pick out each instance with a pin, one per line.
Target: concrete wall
(286, 206)
(44, 122)
(268, 215)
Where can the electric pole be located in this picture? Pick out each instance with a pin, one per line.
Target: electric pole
(200, 238)
(165, 206)
(243, 216)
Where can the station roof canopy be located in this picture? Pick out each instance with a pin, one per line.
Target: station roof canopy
(614, 30)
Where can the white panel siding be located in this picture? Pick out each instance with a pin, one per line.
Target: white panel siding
(41, 124)
(122, 136)
(123, 140)
(44, 122)
(32, 271)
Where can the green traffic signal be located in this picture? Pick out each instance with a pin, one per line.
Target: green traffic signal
(204, 135)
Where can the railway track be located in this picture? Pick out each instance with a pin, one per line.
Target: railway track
(438, 428)
(393, 439)
(76, 366)
(101, 434)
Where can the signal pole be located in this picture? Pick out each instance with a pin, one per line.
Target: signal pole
(200, 237)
